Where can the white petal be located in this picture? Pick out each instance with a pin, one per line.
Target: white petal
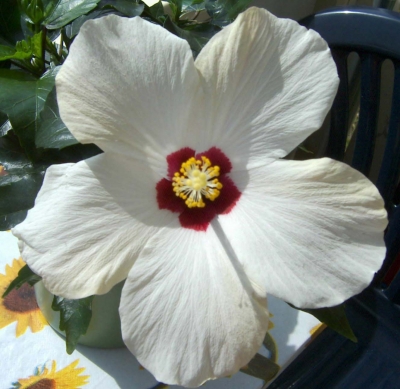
(188, 312)
(269, 84)
(128, 82)
(90, 221)
(150, 3)
(310, 232)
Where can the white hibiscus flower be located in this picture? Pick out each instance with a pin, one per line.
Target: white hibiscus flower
(190, 202)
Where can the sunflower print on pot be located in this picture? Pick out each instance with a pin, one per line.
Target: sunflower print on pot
(20, 304)
(44, 378)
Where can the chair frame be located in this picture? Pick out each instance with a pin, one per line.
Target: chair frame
(331, 361)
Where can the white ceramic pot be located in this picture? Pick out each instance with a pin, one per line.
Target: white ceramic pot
(105, 326)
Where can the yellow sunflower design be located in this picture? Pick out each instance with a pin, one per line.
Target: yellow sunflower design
(20, 304)
(68, 378)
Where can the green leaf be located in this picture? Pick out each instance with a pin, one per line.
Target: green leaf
(23, 49)
(176, 8)
(10, 22)
(157, 12)
(126, 7)
(36, 43)
(22, 98)
(12, 219)
(224, 12)
(34, 10)
(52, 132)
(335, 318)
(20, 182)
(75, 317)
(25, 275)
(196, 35)
(261, 367)
(193, 5)
(7, 52)
(73, 28)
(76, 153)
(66, 10)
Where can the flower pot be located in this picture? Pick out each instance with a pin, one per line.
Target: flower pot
(105, 326)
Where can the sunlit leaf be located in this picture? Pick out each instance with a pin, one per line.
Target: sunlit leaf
(66, 10)
(7, 52)
(22, 98)
(23, 50)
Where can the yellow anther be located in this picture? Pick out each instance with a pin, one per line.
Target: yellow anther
(195, 180)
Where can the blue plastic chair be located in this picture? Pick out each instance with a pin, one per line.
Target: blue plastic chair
(331, 361)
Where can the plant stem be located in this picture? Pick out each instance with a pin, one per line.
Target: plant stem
(60, 47)
(30, 70)
(178, 13)
(44, 31)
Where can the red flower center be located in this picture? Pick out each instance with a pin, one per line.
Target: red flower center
(198, 187)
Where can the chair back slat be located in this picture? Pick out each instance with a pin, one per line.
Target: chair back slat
(381, 36)
(369, 107)
(340, 110)
(392, 239)
(389, 174)
(331, 361)
(374, 35)
(380, 40)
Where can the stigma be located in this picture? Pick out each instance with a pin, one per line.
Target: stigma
(197, 180)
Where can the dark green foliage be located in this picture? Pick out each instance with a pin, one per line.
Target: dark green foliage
(75, 317)
(20, 181)
(335, 318)
(25, 275)
(261, 367)
(66, 11)
(51, 131)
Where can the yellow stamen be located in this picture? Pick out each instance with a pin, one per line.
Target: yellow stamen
(197, 179)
